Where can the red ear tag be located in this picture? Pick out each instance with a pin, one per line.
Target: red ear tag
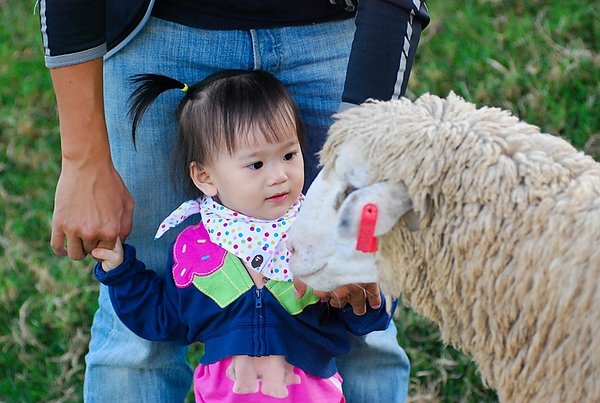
(366, 241)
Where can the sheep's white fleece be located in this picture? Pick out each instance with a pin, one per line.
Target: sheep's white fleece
(507, 257)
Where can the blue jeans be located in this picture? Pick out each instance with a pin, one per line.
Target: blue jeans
(122, 367)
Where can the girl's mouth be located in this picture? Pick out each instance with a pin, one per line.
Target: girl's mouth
(278, 198)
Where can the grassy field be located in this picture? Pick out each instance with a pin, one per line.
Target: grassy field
(538, 58)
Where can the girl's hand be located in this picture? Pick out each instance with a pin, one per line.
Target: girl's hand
(110, 258)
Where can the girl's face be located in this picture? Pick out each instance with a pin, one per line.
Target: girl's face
(260, 179)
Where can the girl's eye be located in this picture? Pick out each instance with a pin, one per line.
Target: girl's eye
(289, 156)
(256, 165)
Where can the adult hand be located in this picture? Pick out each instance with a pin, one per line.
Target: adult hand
(357, 295)
(92, 207)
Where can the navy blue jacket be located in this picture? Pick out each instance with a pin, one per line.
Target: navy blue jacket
(385, 42)
(254, 324)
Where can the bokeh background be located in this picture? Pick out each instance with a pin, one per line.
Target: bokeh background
(537, 58)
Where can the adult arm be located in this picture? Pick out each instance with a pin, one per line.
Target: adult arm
(383, 50)
(92, 205)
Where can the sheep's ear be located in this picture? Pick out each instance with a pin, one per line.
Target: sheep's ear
(392, 200)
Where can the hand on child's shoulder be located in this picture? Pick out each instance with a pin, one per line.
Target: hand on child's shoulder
(110, 258)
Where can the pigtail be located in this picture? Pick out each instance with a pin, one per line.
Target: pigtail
(149, 87)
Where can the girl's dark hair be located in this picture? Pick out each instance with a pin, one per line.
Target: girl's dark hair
(216, 112)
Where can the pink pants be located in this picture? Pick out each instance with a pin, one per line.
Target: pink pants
(211, 384)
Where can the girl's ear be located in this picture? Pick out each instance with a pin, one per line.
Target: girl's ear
(201, 178)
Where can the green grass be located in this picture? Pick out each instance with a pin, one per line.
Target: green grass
(538, 58)
(46, 303)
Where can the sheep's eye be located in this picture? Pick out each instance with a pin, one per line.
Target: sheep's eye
(342, 196)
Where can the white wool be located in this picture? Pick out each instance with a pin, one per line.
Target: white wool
(507, 255)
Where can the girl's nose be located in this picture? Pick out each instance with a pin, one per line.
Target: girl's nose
(278, 175)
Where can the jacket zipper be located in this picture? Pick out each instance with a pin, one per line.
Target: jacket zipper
(258, 303)
(258, 298)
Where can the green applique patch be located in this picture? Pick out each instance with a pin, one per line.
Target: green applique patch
(283, 291)
(232, 280)
(227, 283)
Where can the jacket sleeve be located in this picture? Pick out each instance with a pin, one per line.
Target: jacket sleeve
(372, 320)
(145, 303)
(383, 50)
(73, 31)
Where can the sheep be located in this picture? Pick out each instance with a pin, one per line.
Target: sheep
(485, 225)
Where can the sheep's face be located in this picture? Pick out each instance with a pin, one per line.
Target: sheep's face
(324, 236)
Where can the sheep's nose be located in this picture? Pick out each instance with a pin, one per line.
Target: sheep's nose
(291, 248)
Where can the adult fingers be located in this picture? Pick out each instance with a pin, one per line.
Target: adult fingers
(90, 244)
(75, 249)
(324, 296)
(338, 302)
(105, 239)
(338, 298)
(373, 294)
(126, 218)
(109, 238)
(57, 242)
(358, 299)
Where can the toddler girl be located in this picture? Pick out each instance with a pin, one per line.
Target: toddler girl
(228, 284)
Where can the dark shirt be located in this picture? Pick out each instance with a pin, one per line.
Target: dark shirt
(249, 14)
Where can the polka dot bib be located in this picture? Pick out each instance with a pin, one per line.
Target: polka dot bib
(259, 244)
